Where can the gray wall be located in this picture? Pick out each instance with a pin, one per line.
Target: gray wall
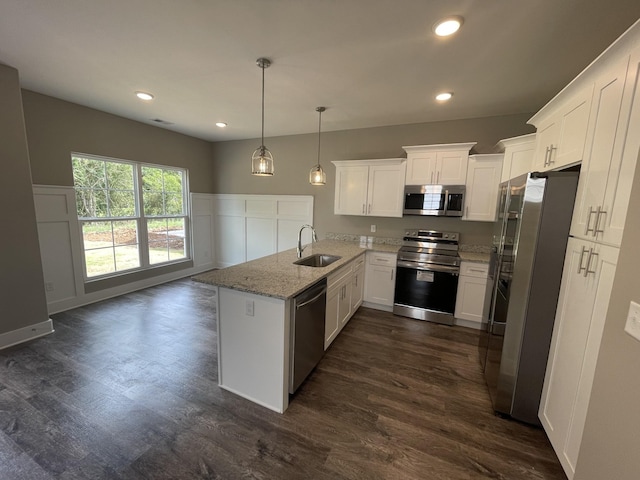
(610, 443)
(295, 155)
(55, 128)
(22, 296)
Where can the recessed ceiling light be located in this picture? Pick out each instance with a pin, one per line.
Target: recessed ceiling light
(447, 26)
(221, 124)
(144, 96)
(444, 96)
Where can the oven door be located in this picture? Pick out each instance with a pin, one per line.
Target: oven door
(426, 286)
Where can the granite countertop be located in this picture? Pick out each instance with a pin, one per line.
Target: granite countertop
(476, 257)
(277, 276)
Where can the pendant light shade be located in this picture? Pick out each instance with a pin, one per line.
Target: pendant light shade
(317, 175)
(262, 160)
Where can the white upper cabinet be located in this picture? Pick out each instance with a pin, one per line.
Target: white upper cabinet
(370, 187)
(518, 156)
(483, 182)
(562, 132)
(444, 164)
(607, 171)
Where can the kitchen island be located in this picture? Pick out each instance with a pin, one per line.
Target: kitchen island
(254, 302)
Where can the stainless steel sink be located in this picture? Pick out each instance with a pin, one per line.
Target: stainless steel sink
(317, 260)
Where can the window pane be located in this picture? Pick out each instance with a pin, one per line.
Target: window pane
(119, 176)
(97, 235)
(173, 181)
(153, 204)
(127, 257)
(158, 252)
(125, 232)
(152, 179)
(176, 235)
(122, 204)
(91, 203)
(99, 262)
(173, 203)
(88, 173)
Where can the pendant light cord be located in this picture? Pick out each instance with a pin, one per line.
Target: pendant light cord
(319, 124)
(262, 138)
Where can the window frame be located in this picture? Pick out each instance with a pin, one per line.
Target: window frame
(139, 217)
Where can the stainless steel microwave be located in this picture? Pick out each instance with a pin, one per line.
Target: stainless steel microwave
(438, 200)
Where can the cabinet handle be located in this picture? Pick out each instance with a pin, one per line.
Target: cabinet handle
(476, 270)
(551, 149)
(580, 267)
(431, 177)
(466, 211)
(591, 254)
(369, 208)
(392, 274)
(546, 156)
(437, 177)
(597, 230)
(587, 229)
(363, 206)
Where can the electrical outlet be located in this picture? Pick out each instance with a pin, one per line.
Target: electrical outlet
(632, 327)
(249, 308)
(373, 229)
(48, 286)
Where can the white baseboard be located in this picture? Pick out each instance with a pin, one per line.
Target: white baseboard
(25, 334)
(377, 306)
(470, 324)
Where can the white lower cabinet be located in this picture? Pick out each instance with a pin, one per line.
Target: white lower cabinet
(470, 299)
(380, 280)
(587, 279)
(357, 283)
(344, 296)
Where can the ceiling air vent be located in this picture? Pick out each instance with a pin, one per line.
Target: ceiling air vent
(161, 121)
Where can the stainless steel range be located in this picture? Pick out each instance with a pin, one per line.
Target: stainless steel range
(427, 276)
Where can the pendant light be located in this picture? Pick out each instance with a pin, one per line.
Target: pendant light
(317, 175)
(262, 160)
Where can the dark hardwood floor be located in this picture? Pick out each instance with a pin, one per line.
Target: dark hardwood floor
(127, 389)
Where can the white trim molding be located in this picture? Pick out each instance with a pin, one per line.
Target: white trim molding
(24, 334)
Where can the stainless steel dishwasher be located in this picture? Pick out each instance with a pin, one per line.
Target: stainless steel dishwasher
(307, 332)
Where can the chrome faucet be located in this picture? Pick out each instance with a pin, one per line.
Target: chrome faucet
(300, 248)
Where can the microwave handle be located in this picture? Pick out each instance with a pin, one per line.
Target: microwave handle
(446, 201)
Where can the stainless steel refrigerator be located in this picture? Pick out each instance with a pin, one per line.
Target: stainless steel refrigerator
(529, 243)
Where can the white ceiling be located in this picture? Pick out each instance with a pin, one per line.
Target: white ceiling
(370, 62)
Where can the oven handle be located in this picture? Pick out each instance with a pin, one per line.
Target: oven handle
(428, 267)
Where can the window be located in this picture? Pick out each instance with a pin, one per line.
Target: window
(133, 216)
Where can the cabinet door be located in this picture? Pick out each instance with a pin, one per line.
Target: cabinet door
(344, 304)
(357, 286)
(546, 135)
(574, 122)
(587, 279)
(603, 153)
(332, 323)
(351, 190)
(470, 298)
(386, 190)
(380, 284)
(518, 160)
(625, 157)
(452, 168)
(483, 183)
(421, 168)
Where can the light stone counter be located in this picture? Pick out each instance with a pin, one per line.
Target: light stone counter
(474, 257)
(277, 276)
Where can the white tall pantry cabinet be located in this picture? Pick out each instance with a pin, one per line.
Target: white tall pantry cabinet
(610, 151)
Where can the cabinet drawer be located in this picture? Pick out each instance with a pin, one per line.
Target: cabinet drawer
(473, 269)
(339, 275)
(381, 259)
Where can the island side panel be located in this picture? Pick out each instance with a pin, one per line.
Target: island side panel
(253, 350)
